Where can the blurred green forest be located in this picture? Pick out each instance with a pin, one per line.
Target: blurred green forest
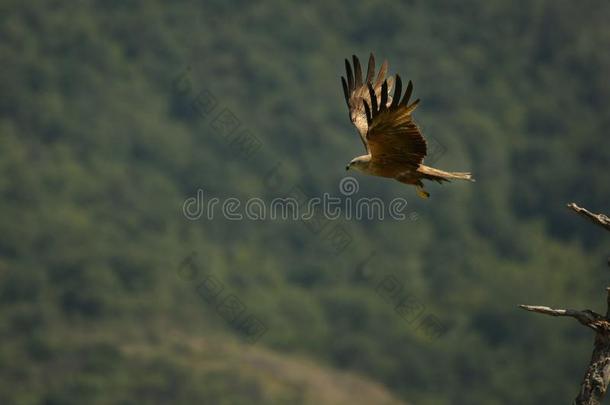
(104, 133)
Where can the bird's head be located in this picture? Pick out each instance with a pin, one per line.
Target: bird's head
(360, 163)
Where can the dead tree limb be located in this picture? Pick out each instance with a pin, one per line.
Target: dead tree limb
(586, 317)
(595, 382)
(599, 219)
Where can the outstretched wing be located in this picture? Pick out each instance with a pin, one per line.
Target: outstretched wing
(392, 136)
(356, 91)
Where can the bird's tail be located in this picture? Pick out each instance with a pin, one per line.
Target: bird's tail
(430, 173)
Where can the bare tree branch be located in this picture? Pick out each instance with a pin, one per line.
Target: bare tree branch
(599, 219)
(585, 317)
(595, 382)
(597, 376)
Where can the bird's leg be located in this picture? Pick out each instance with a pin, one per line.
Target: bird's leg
(421, 192)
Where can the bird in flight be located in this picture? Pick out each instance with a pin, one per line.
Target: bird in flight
(395, 147)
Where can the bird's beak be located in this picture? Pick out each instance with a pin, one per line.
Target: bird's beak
(347, 168)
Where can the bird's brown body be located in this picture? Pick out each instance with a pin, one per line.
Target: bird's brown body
(394, 144)
(407, 174)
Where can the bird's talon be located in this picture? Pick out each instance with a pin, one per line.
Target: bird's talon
(422, 193)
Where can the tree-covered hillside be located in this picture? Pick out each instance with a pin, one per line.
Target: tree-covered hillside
(113, 113)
